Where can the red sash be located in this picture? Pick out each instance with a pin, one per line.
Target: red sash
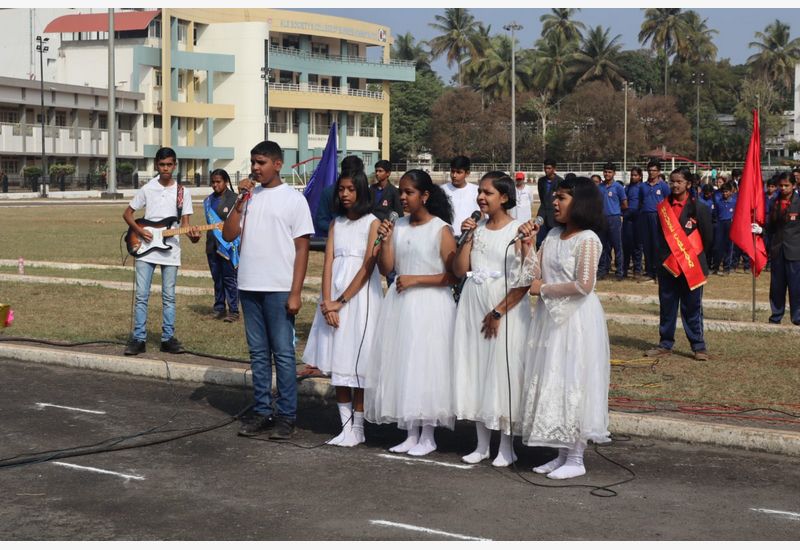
(685, 249)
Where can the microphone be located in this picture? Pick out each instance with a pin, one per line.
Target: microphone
(538, 221)
(244, 194)
(392, 218)
(476, 216)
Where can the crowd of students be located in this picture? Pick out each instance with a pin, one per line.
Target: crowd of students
(454, 337)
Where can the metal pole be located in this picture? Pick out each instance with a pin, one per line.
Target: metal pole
(111, 172)
(513, 27)
(625, 133)
(265, 77)
(41, 47)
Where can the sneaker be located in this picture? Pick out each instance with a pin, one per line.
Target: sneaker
(701, 355)
(135, 347)
(284, 428)
(172, 345)
(255, 424)
(657, 352)
(231, 318)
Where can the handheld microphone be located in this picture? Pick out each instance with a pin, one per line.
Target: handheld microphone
(476, 216)
(244, 194)
(537, 221)
(392, 218)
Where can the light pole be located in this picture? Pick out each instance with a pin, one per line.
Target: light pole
(513, 27)
(625, 132)
(41, 47)
(265, 78)
(697, 80)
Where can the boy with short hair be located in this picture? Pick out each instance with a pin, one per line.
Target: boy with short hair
(275, 225)
(615, 202)
(651, 194)
(783, 228)
(726, 204)
(385, 196)
(546, 186)
(162, 198)
(462, 194)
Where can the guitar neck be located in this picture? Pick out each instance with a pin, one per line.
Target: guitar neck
(182, 230)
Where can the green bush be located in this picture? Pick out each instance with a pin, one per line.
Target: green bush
(61, 170)
(32, 171)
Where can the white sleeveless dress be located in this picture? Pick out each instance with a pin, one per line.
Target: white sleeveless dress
(567, 359)
(411, 376)
(335, 351)
(480, 377)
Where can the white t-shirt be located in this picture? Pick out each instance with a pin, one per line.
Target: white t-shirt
(273, 218)
(522, 211)
(161, 202)
(464, 201)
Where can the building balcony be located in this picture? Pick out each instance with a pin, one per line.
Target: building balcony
(291, 59)
(66, 141)
(329, 90)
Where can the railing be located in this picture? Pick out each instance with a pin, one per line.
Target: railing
(343, 58)
(279, 87)
(282, 128)
(366, 131)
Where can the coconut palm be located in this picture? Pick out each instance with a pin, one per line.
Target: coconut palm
(777, 55)
(496, 74)
(474, 64)
(560, 21)
(458, 27)
(597, 58)
(405, 48)
(552, 59)
(699, 46)
(665, 29)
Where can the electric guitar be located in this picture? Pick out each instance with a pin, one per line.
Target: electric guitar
(138, 247)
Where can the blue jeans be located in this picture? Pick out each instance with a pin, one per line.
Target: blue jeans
(724, 256)
(224, 275)
(674, 293)
(270, 335)
(612, 240)
(649, 229)
(144, 276)
(632, 248)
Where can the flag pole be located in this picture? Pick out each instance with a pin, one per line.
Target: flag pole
(753, 264)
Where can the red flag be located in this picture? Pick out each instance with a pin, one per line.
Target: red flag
(750, 205)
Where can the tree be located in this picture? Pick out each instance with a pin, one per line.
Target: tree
(458, 27)
(457, 123)
(552, 60)
(761, 95)
(560, 22)
(641, 69)
(411, 104)
(495, 78)
(404, 48)
(699, 46)
(597, 58)
(666, 29)
(776, 56)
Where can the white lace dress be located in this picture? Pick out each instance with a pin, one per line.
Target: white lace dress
(480, 377)
(567, 359)
(411, 376)
(335, 351)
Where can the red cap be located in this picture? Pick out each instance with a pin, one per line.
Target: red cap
(519, 176)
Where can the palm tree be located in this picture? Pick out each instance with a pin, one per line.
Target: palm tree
(664, 28)
(777, 55)
(457, 26)
(496, 74)
(559, 21)
(552, 59)
(597, 58)
(404, 48)
(699, 47)
(474, 64)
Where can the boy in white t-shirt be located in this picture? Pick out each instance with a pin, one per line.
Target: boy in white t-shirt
(463, 195)
(522, 211)
(275, 225)
(161, 198)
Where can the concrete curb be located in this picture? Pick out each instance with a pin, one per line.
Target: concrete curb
(615, 297)
(708, 324)
(651, 426)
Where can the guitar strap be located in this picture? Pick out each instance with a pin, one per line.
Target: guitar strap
(179, 205)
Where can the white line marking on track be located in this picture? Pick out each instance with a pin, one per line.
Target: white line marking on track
(385, 523)
(788, 515)
(427, 461)
(98, 471)
(43, 405)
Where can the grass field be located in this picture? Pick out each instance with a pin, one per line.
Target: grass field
(744, 367)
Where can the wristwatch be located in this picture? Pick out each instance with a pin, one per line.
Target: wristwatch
(496, 314)
(342, 300)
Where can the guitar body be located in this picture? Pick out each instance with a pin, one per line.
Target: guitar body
(138, 247)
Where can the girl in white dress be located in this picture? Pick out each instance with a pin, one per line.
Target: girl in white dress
(567, 360)
(481, 381)
(343, 331)
(410, 379)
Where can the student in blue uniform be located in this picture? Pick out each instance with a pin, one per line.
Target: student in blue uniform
(615, 201)
(783, 227)
(631, 239)
(707, 198)
(650, 194)
(770, 195)
(726, 204)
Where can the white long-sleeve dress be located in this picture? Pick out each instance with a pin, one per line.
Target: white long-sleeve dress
(567, 361)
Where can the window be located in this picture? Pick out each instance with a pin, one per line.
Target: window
(102, 121)
(291, 41)
(367, 159)
(9, 166)
(157, 77)
(144, 120)
(180, 80)
(9, 116)
(61, 118)
(154, 29)
(319, 48)
(157, 121)
(352, 50)
(182, 32)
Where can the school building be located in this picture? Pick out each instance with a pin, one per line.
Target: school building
(216, 81)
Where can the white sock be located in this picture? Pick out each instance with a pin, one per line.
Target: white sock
(505, 453)
(573, 467)
(355, 435)
(345, 412)
(426, 445)
(411, 440)
(554, 464)
(481, 452)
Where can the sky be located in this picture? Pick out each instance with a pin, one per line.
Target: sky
(736, 27)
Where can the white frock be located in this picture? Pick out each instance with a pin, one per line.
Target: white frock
(335, 351)
(567, 359)
(480, 377)
(410, 381)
